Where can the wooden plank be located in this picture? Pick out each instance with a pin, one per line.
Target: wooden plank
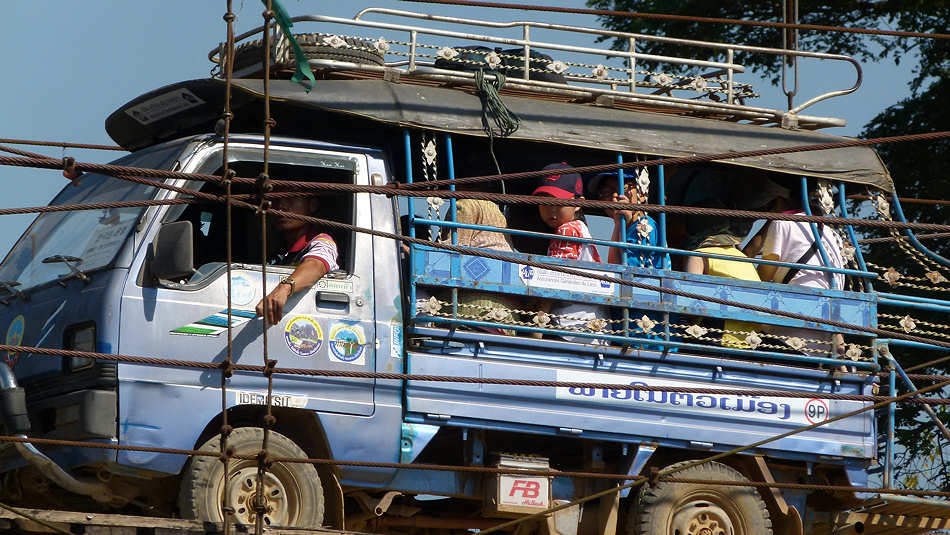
(113, 524)
(892, 524)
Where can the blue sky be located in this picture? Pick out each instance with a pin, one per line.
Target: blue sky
(69, 64)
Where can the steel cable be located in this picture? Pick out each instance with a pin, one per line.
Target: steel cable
(263, 187)
(226, 174)
(451, 468)
(63, 144)
(680, 467)
(351, 374)
(684, 18)
(132, 173)
(571, 271)
(485, 254)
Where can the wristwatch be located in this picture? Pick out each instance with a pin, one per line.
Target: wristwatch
(290, 281)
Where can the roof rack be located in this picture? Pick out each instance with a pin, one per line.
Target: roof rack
(417, 54)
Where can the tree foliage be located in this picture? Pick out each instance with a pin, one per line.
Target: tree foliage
(919, 169)
(906, 15)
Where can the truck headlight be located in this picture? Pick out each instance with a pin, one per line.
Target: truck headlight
(80, 337)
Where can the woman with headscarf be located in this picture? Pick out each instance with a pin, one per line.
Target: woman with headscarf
(473, 304)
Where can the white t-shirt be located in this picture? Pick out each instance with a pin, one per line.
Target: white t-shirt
(789, 240)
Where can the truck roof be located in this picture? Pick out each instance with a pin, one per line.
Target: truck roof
(179, 109)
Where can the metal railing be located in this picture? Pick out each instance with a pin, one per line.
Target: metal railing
(415, 56)
(626, 334)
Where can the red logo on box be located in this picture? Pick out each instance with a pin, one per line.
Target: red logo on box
(528, 489)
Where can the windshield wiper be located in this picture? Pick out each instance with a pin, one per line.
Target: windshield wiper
(71, 262)
(11, 286)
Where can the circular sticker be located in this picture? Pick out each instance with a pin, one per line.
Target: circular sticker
(347, 343)
(303, 335)
(242, 290)
(816, 411)
(14, 338)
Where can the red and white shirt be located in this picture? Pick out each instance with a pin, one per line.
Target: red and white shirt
(311, 245)
(573, 249)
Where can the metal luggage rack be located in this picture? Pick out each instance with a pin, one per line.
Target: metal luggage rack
(416, 54)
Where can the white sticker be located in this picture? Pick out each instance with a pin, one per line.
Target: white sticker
(243, 290)
(533, 277)
(760, 408)
(335, 285)
(164, 105)
(106, 239)
(395, 340)
(347, 343)
(216, 323)
(523, 491)
(277, 400)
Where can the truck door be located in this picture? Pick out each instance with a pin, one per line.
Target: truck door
(330, 326)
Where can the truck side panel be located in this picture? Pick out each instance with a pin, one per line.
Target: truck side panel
(697, 420)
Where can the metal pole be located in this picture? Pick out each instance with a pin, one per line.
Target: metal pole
(854, 239)
(730, 54)
(527, 52)
(456, 262)
(633, 66)
(407, 149)
(413, 38)
(661, 200)
(815, 233)
(913, 238)
(910, 384)
(889, 467)
(623, 238)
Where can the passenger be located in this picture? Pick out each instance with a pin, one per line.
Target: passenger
(568, 221)
(717, 238)
(631, 227)
(477, 305)
(793, 242)
(313, 253)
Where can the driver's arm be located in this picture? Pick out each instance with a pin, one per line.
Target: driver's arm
(319, 259)
(307, 273)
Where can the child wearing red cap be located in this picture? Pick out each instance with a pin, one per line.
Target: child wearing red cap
(567, 221)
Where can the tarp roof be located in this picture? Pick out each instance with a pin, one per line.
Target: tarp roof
(449, 110)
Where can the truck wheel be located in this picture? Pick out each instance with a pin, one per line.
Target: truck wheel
(314, 47)
(292, 491)
(692, 509)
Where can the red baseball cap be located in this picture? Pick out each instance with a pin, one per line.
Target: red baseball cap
(562, 186)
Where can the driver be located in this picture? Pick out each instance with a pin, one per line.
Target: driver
(313, 253)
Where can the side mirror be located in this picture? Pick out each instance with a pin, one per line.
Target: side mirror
(173, 255)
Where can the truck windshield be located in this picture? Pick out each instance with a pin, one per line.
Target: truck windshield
(92, 236)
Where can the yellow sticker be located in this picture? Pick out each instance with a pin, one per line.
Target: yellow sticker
(14, 338)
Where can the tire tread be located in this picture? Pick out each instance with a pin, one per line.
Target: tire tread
(197, 470)
(638, 521)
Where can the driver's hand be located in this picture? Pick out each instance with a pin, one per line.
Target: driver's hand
(627, 215)
(273, 303)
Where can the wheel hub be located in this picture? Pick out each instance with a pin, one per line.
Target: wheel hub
(244, 495)
(701, 518)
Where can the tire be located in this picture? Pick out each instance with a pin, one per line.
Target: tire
(354, 51)
(295, 494)
(691, 509)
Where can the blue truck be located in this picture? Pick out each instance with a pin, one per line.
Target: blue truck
(152, 281)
